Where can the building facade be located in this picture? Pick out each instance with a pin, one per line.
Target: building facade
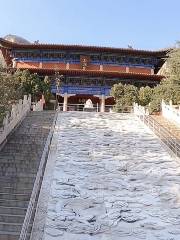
(87, 72)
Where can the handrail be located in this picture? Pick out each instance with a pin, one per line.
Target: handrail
(80, 107)
(164, 134)
(37, 184)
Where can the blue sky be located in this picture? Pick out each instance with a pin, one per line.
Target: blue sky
(144, 24)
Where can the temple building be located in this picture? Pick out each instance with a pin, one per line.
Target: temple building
(87, 72)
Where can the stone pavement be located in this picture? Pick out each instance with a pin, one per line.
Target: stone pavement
(112, 180)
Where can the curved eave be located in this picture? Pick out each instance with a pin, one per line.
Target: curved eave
(160, 53)
(97, 73)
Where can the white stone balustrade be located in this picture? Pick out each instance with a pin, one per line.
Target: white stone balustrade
(140, 110)
(38, 106)
(170, 112)
(17, 114)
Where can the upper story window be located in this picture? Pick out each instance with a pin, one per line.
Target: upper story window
(95, 59)
(73, 58)
(128, 61)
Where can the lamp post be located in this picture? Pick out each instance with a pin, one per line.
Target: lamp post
(58, 79)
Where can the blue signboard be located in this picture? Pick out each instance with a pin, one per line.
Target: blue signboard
(84, 90)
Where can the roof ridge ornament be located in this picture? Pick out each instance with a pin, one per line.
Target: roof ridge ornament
(130, 46)
(36, 42)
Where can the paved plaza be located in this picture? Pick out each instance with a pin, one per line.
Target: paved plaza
(111, 180)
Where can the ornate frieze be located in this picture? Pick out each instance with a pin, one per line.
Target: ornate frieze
(83, 59)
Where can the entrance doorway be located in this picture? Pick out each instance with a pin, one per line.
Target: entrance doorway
(77, 102)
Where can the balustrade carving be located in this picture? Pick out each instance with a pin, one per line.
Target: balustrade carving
(18, 112)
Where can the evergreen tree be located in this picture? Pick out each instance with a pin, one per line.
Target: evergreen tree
(145, 95)
(124, 95)
(169, 88)
(31, 83)
(14, 86)
(173, 65)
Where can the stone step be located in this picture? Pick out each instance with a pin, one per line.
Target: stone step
(32, 130)
(26, 138)
(23, 148)
(15, 196)
(13, 181)
(24, 167)
(15, 190)
(18, 166)
(14, 174)
(31, 139)
(14, 203)
(8, 171)
(17, 185)
(12, 210)
(30, 133)
(19, 155)
(19, 159)
(6, 235)
(16, 157)
(12, 218)
(10, 227)
(26, 163)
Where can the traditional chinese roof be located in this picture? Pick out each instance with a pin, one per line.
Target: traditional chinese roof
(131, 51)
(94, 73)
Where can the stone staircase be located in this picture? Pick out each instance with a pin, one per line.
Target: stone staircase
(19, 161)
(173, 128)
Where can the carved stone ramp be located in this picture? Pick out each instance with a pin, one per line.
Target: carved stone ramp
(110, 179)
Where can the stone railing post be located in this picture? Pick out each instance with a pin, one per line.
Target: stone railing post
(38, 106)
(140, 110)
(170, 112)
